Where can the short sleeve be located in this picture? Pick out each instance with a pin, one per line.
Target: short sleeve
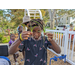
(22, 46)
(48, 43)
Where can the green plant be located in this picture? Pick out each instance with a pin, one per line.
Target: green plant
(5, 39)
(1, 36)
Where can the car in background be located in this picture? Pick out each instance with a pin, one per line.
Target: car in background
(60, 27)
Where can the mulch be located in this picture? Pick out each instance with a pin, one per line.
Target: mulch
(49, 55)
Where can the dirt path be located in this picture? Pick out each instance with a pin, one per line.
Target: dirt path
(19, 59)
(49, 55)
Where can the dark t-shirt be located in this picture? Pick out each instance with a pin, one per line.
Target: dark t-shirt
(35, 51)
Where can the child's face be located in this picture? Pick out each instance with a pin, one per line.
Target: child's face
(37, 32)
(12, 37)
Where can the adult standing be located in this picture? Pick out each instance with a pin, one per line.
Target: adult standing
(71, 27)
(26, 20)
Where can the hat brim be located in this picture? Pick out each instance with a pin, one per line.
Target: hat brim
(25, 21)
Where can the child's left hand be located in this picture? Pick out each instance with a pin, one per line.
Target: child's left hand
(50, 36)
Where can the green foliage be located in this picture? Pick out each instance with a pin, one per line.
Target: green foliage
(4, 39)
(1, 36)
(11, 18)
(45, 14)
(16, 16)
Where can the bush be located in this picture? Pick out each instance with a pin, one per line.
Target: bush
(4, 39)
(1, 36)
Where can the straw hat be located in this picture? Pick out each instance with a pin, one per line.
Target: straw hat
(26, 19)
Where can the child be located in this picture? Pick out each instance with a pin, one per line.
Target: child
(15, 55)
(36, 45)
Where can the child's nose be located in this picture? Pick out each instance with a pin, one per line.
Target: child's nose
(36, 34)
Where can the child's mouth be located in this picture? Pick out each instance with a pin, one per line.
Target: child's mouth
(35, 37)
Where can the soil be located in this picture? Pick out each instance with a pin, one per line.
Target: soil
(49, 55)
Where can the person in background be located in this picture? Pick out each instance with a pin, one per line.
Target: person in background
(16, 54)
(26, 20)
(74, 29)
(64, 28)
(71, 27)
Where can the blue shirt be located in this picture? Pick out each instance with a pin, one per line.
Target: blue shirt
(35, 51)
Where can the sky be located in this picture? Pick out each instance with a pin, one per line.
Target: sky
(8, 18)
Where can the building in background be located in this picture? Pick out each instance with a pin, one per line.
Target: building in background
(66, 20)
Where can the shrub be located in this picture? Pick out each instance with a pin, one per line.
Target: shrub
(1, 36)
(4, 39)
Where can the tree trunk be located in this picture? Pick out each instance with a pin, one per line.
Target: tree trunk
(52, 22)
(56, 21)
(52, 15)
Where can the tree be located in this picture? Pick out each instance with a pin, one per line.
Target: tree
(16, 16)
(56, 14)
(45, 15)
(52, 15)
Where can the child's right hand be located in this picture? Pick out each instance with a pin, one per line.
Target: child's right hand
(25, 35)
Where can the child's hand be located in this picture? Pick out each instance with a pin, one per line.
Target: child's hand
(25, 35)
(50, 36)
